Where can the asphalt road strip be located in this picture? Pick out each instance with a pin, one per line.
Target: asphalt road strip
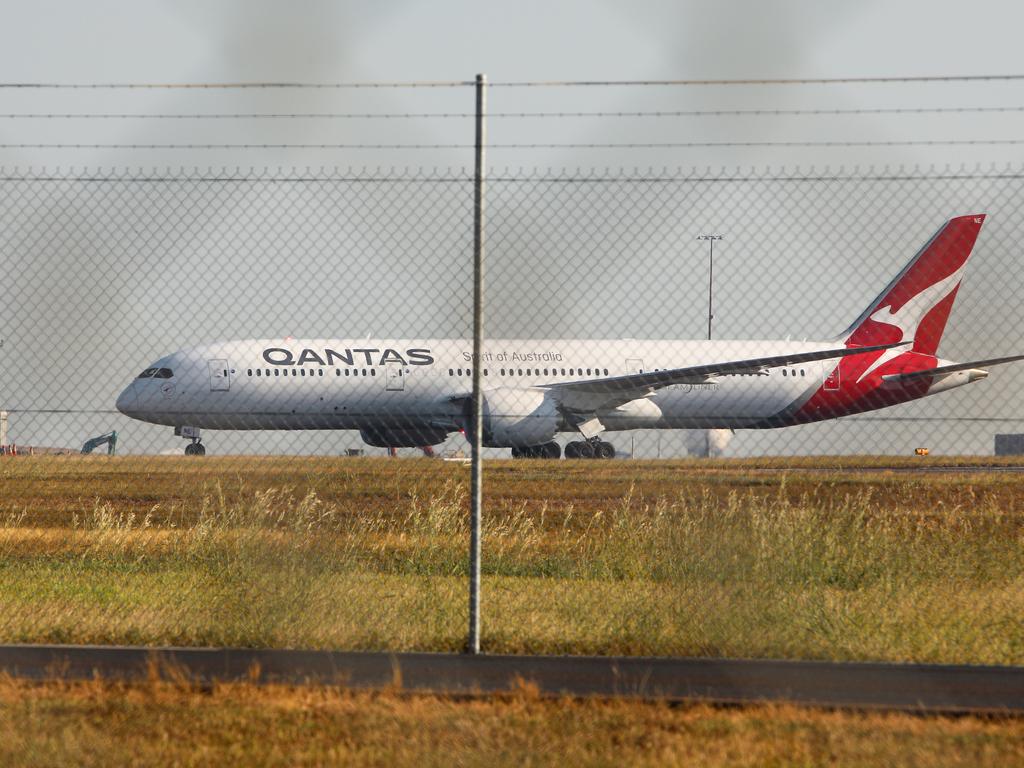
(934, 688)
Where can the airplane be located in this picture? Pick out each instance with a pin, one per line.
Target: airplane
(415, 392)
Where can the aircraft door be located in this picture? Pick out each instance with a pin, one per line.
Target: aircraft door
(634, 365)
(220, 380)
(394, 377)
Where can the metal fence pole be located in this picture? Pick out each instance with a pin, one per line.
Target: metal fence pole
(476, 470)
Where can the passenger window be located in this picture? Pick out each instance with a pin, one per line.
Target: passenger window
(605, 371)
(373, 371)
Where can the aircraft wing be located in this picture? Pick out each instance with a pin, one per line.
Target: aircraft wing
(610, 392)
(943, 369)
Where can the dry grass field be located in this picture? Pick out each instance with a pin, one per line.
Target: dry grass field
(97, 724)
(785, 559)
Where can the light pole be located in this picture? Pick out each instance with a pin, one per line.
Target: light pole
(711, 275)
(711, 309)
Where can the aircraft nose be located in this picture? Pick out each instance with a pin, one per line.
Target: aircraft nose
(128, 400)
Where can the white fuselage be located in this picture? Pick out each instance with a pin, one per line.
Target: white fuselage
(395, 384)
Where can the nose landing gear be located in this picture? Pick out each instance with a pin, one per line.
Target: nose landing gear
(196, 447)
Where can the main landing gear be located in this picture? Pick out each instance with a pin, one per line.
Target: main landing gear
(578, 449)
(592, 448)
(550, 450)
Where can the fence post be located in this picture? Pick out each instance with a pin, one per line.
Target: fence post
(476, 433)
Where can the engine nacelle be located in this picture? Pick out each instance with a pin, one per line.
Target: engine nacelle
(519, 417)
(403, 438)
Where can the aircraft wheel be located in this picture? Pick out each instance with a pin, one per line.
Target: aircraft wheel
(586, 450)
(551, 450)
(195, 449)
(604, 450)
(572, 450)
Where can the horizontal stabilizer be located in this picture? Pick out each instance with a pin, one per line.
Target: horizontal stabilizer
(944, 369)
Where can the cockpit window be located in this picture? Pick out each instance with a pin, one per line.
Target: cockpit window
(156, 373)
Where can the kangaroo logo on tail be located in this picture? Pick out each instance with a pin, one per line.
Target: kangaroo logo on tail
(916, 304)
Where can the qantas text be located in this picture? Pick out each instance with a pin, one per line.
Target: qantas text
(354, 356)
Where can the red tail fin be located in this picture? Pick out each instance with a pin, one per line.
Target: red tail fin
(916, 304)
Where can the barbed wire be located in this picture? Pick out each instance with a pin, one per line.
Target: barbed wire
(568, 145)
(759, 81)
(232, 86)
(523, 83)
(505, 115)
(664, 175)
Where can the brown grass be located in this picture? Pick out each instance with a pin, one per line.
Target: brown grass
(50, 491)
(94, 724)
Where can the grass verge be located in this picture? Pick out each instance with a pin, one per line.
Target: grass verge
(621, 558)
(95, 724)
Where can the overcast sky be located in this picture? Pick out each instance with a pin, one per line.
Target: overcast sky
(100, 260)
(331, 42)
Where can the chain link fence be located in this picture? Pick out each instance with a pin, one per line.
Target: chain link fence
(107, 272)
(354, 281)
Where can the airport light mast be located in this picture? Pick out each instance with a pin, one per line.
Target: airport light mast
(711, 309)
(711, 275)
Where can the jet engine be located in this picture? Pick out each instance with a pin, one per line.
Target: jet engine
(403, 438)
(518, 418)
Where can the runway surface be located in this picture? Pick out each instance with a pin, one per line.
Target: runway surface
(956, 469)
(907, 687)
